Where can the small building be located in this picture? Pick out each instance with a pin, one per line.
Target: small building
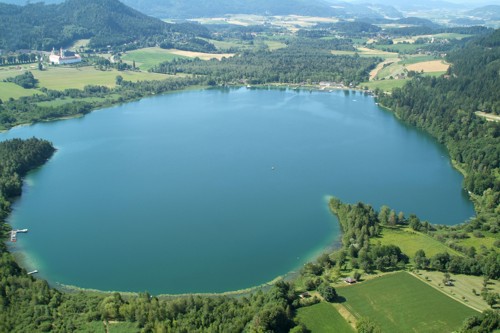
(305, 295)
(64, 57)
(350, 280)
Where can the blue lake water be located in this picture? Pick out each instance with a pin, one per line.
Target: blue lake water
(217, 190)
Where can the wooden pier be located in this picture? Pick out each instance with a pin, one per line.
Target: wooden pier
(13, 234)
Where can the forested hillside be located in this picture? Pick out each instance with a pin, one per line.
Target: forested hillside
(105, 22)
(446, 106)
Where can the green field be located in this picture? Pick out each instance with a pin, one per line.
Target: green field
(411, 241)
(385, 85)
(60, 78)
(416, 59)
(400, 48)
(400, 302)
(488, 240)
(149, 57)
(323, 317)
(9, 89)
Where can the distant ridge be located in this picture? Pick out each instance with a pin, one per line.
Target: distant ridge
(491, 12)
(104, 22)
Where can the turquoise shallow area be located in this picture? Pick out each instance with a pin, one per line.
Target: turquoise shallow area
(217, 190)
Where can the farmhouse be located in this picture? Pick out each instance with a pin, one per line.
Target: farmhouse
(64, 57)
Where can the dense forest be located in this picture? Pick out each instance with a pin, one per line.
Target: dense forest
(105, 22)
(304, 60)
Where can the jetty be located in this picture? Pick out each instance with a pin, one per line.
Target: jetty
(13, 234)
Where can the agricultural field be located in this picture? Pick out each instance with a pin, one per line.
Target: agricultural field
(416, 307)
(323, 317)
(432, 66)
(60, 78)
(411, 241)
(463, 287)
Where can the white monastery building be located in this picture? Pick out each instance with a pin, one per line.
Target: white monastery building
(64, 57)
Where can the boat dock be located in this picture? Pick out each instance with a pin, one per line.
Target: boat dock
(13, 234)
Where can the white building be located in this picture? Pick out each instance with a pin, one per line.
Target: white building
(62, 58)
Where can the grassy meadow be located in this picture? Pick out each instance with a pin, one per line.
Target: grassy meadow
(12, 90)
(323, 318)
(149, 57)
(415, 307)
(411, 241)
(60, 78)
(463, 287)
(384, 85)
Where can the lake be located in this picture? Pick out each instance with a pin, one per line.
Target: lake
(218, 190)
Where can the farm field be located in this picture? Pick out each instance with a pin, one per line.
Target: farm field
(429, 66)
(416, 307)
(323, 318)
(462, 287)
(60, 78)
(411, 241)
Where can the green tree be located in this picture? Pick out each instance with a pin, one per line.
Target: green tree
(328, 293)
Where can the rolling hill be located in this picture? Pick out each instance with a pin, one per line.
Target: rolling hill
(104, 22)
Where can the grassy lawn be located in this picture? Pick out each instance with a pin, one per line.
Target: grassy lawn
(60, 78)
(462, 287)
(149, 57)
(410, 241)
(400, 302)
(323, 317)
(385, 85)
(9, 89)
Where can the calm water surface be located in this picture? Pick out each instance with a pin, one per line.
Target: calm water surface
(216, 190)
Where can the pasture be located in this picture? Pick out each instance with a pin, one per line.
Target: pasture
(12, 90)
(462, 289)
(149, 57)
(61, 77)
(323, 317)
(411, 241)
(400, 302)
(384, 85)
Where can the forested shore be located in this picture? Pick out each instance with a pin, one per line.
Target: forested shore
(443, 107)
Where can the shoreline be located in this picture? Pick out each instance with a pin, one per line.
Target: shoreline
(290, 275)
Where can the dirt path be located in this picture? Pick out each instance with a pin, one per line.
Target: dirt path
(348, 316)
(488, 116)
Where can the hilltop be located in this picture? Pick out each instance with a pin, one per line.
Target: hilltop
(105, 22)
